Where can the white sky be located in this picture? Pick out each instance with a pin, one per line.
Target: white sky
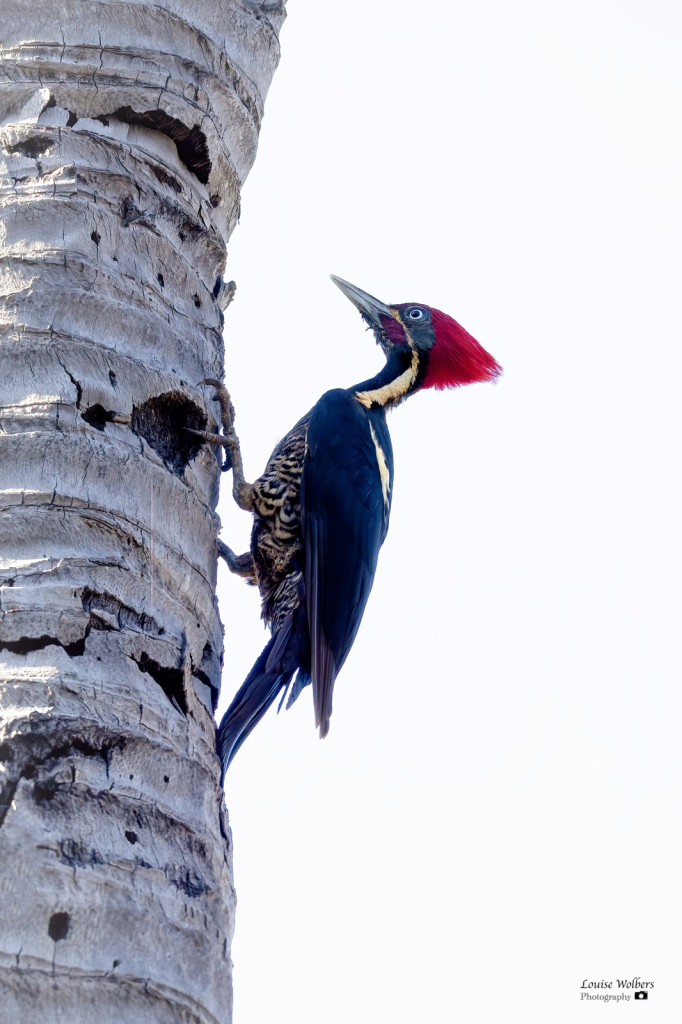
(495, 815)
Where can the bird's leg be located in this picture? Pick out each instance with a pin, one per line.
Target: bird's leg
(241, 565)
(242, 491)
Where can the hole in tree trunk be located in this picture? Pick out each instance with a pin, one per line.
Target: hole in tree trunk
(59, 926)
(161, 422)
(190, 142)
(171, 680)
(97, 416)
(35, 146)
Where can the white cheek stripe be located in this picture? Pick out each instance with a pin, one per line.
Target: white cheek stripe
(383, 467)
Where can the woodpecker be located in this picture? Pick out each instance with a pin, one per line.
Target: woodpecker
(322, 506)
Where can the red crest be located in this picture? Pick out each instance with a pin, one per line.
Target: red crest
(456, 357)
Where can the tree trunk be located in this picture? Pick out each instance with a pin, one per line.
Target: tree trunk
(128, 131)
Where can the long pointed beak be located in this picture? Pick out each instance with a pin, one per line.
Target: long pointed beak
(366, 303)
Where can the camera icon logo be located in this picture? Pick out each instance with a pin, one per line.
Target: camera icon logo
(641, 994)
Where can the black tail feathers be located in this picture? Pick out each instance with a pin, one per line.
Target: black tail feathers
(283, 655)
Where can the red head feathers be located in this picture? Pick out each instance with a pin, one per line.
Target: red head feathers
(452, 356)
(456, 358)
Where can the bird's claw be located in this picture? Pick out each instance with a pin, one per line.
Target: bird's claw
(222, 397)
(220, 440)
(241, 490)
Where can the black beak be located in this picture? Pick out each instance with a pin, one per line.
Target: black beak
(367, 304)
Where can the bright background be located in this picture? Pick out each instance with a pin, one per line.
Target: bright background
(495, 815)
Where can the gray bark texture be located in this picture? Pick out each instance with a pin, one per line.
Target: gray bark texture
(127, 131)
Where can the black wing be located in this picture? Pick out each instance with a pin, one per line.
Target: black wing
(345, 503)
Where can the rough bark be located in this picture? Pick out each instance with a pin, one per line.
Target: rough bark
(128, 129)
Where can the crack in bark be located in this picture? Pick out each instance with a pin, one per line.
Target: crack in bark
(75, 853)
(191, 143)
(44, 790)
(208, 661)
(26, 644)
(76, 383)
(182, 1007)
(126, 617)
(6, 797)
(171, 680)
(166, 179)
(187, 881)
(116, 522)
(32, 147)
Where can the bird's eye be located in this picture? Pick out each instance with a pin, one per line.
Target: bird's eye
(416, 314)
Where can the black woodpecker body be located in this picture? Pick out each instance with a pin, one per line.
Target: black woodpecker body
(321, 509)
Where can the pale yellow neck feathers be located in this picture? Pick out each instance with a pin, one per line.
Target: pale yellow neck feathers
(392, 392)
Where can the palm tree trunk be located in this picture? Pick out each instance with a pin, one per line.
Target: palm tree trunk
(128, 129)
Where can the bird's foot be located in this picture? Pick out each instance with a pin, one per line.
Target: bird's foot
(241, 490)
(240, 565)
(222, 397)
(226, 440)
